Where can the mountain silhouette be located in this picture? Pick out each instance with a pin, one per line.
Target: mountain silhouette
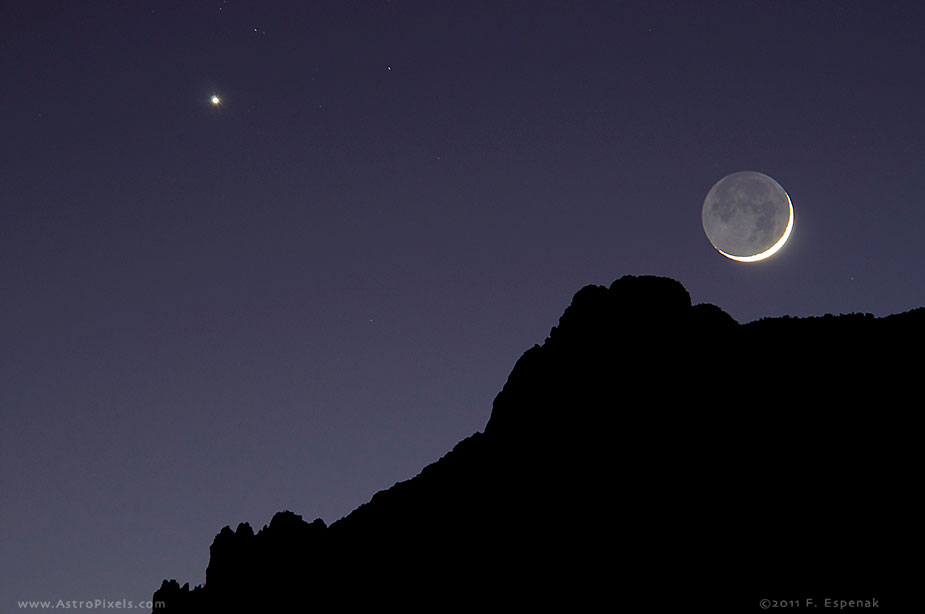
(650, 455)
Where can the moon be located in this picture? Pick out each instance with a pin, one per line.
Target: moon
(747, 216)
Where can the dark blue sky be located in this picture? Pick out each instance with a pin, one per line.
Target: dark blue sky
(307, 294)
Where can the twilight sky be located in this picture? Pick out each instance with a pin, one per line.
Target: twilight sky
(297, 298)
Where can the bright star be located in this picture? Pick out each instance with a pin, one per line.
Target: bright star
(216, 100)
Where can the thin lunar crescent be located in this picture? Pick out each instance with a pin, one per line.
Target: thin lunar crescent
(747, 216)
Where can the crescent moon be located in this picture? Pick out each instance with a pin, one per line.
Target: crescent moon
(747, 216)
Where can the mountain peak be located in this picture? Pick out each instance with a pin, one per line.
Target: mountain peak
(611, 334)
(597, 310)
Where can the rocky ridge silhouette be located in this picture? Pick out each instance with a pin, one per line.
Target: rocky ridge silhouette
(651, 454)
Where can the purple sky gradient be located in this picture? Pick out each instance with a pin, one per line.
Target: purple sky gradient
(304, 295)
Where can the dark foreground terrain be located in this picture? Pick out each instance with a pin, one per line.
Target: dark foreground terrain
(651, 455)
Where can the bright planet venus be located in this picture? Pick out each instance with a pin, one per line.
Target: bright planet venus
(747, 216)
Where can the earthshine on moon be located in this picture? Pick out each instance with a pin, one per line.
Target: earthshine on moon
(747, 216)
